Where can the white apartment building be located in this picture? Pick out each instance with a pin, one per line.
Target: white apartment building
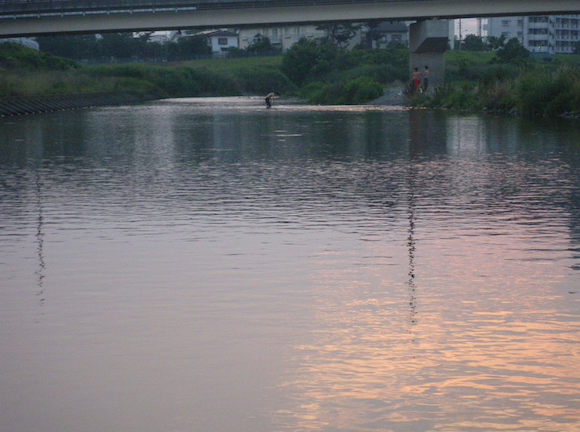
(539, 34)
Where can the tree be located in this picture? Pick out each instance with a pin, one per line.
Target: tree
(513, 52)
(373, 33)
(305, 59)
(474, 43)
(70, 46)
(496, 43)
(188, 47)
(118, 45)
(261, 44)
(338, 33)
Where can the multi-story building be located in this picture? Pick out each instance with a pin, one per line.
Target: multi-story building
(539, 34)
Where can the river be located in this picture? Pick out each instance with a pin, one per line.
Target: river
(208, 265)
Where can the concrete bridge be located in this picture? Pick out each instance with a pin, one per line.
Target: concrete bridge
(41, 17)
(428, 37)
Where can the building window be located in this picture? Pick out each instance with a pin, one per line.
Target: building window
(222, 41)
(505, 34)
(505, 23)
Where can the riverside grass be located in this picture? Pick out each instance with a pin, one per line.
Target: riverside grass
(473, 84)
(25, 72)
(533, 89)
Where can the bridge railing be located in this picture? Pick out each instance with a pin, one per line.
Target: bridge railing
(27, 8)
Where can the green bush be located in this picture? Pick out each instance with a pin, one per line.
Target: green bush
(498, 73)
(354, 92)
(312, 92)
(259, 80)
(499, 96)
(306, 60)
(383, 74)
(464, 100)
(550, 94)
(361, 90)
(174, 81)
(121, 71)
(545, 93)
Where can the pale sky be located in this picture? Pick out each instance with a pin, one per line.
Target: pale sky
(468, 26)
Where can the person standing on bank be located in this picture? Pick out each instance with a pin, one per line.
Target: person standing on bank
(425, 78)
(269, 98)
(416, 80)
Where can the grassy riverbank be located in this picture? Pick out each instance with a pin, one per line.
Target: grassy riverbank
(320, 74)
(533, 88)
(328, 76)
(25, 72)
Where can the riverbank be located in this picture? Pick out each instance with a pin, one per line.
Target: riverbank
(393, 97)
(33, 82)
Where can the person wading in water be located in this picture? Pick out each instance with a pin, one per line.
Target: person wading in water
(269, 98)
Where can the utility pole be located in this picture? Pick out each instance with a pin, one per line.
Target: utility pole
(459, 34)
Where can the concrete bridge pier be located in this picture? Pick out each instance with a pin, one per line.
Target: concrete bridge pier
(427, 43)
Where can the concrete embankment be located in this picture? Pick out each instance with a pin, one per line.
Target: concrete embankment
(10, 106)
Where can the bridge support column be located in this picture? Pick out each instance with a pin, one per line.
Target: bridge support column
(427, 43)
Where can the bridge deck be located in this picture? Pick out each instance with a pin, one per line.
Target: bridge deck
(41, 17)
(27, 8)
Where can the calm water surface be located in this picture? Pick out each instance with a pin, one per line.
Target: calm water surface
(207, 265)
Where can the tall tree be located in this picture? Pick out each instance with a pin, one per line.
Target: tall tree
(260, 44)
(188, 47)
(474, 43)
(339, 33)
(118, 45)
(75, 47)
(496, 43)
(306, 59)
(513, 51)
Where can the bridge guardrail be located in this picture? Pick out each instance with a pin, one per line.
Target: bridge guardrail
(30, 8)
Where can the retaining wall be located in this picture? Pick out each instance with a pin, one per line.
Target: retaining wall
(10, 106)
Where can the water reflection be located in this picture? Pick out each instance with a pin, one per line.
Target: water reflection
(411, 245)
(40, 238)
(218, 266)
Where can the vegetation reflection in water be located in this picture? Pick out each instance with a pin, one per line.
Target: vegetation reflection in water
(294, 269)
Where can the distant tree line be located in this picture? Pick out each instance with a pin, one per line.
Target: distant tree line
(506, 50)
(111, 47)
(492, 43)
(123, 47)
